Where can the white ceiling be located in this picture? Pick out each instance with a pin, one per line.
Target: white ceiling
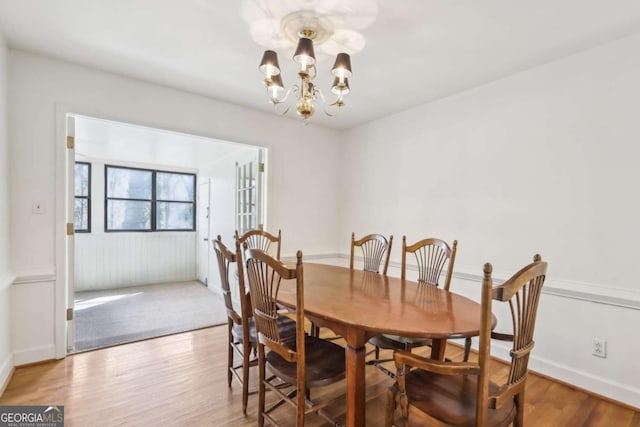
(416, 50)
(122, 142)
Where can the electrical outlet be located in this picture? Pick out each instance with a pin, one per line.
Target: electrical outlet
(599, 347)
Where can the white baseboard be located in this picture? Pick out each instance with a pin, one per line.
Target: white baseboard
(5, 369)
(6, 365)
(602, 386)
(34, 354)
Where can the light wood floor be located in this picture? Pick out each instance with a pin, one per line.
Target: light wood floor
(180, 380)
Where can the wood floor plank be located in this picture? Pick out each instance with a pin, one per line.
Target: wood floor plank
(181, 380)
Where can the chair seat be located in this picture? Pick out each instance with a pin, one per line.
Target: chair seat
(286, 326)
(396, 342)
(452, 398)
(325, 363)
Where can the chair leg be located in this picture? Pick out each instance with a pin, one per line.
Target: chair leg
(301, 395)
(377, 352)
(467, 349)
(261, 388)
(391, 407)
(246, 352)
(519, 420)
(230, 352)
(315, 330)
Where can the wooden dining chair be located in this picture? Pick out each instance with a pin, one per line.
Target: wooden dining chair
(240, 340)
(242, 335)
(438, 393)
(374, 248)
(302, 361)
(260, 239)
(257, 239)
(432, 255)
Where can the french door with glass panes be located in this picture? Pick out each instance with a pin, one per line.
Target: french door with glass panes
(249, 182)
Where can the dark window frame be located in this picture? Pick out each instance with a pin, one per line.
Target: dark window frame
(87, 197)
(153, 200)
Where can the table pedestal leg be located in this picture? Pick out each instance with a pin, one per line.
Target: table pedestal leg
(356, 386)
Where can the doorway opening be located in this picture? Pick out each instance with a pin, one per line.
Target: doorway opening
(143, 206)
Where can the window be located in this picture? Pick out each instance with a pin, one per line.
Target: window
(175, 197)
(149, 200)
(82, 193)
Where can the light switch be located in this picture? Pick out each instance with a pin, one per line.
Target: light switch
(36, 207)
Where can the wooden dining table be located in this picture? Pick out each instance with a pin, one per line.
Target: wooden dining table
(358, 305)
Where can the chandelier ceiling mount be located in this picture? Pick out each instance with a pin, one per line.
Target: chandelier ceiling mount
(306, 24)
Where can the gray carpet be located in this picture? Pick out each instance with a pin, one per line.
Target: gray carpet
(118, 316)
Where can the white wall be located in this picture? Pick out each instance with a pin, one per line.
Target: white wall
(543, 161)
(302, 159)
(6, 277)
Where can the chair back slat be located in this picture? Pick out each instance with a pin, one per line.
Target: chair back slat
(253, 239)
(374, 248)
(260, 239)
(431, 257)
(524, 306)
(265, 274)
(225, 258)
(522, 292)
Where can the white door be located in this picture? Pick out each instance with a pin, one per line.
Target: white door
(202, 232)
(249, 192)
(70, 220)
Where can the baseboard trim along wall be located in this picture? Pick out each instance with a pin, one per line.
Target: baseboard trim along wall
(607, 388)
(6, 372)
(34, 354)
(6, 365)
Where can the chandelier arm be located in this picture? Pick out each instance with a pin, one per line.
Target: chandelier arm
(276, 101)
(319, 92)
(327, 107)
(282, 113)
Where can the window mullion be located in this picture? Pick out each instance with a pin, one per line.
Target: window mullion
(153, 201)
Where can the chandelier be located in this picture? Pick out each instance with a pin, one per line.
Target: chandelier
(306, 92)
(330, 29)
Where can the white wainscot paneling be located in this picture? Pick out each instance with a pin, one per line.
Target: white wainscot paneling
(6, 353)
(32, 329)
(115, 260)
